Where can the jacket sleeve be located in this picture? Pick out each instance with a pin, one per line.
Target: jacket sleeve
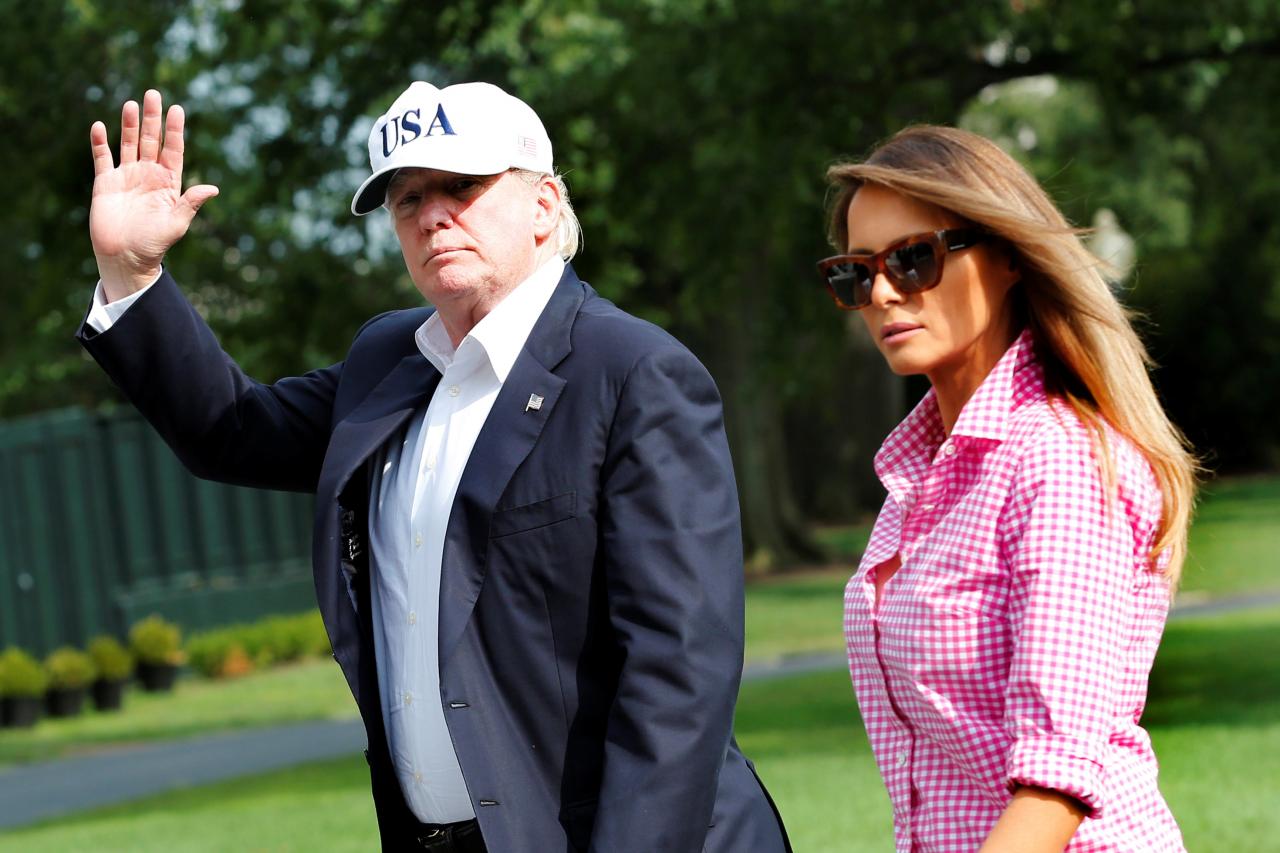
(221, 424)
(671, 546)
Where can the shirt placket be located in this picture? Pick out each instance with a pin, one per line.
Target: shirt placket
(423, 577)
(921, 507)
(899, 754)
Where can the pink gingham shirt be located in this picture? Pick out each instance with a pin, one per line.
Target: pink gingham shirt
(1013, 645)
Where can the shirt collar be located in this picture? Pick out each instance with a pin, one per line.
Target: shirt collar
(986, 414)
(502, 333)
(909, 449)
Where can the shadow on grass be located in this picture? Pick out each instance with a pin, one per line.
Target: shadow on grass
(811, 713)
(828, 591)
(1217, 671)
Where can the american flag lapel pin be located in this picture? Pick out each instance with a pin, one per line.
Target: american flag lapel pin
(534, 404)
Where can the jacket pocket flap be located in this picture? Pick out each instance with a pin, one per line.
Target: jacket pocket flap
(517, 519)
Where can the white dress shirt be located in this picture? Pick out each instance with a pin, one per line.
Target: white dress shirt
(103, 314)
(416, 477)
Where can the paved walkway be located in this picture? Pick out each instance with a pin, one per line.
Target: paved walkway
(29, 793)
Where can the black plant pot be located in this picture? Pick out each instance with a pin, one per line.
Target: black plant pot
(19, 711)
(64, 701)
(156, 677)
(108, 694)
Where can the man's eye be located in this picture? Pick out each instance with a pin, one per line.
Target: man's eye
(465, 185)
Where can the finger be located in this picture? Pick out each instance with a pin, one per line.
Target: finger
(194, 198)
(100, 148)
(129, 132)
(149, 141)
(171, 153)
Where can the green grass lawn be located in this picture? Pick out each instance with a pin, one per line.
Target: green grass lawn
(1214, 716)
(1235, 540)
(312, 690)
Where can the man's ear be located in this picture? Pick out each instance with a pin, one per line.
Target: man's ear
(547, 214)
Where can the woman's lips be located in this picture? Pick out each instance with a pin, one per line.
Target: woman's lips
(896, 332)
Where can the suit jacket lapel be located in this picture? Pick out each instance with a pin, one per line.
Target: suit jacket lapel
(409, 384)
(509, 434)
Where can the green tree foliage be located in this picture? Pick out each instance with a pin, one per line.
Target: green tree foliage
(695, 134)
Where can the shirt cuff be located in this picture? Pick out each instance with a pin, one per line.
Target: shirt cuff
(1057, 763)
(104, 314)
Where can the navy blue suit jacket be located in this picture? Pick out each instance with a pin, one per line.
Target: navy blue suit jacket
(591, 604)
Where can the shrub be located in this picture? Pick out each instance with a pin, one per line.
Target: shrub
(300, 635)
(312, 626)
(237, 649)
(219, 653)
(290, 637)
(260, 643)
(21, 674)
(155, 640)
(112, 659)
(69, 669)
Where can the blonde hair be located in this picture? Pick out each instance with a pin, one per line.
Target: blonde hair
(1092, 357)
(568, 229)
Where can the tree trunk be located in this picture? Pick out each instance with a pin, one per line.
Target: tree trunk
(775, 531)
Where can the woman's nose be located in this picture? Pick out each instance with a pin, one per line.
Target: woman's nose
(883, 292)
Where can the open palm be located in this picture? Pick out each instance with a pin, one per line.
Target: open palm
(139, 209)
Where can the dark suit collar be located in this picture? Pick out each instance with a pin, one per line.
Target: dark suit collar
(549, 342)
(408, 386)
(411, 383)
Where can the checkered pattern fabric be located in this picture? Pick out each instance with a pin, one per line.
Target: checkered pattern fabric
(1013, 645)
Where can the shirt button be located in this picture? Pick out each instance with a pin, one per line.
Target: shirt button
(927, 507)
(949, 450)
(431, 462)
(408, 699)
(417, 540)
(902, 758)
(417, 777)
(413, 618)
(454, 390)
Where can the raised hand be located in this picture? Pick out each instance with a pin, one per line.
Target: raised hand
(139, 209)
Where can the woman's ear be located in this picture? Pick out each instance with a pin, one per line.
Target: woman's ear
(1008, 263)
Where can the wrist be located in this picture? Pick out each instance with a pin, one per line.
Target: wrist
(120, 279)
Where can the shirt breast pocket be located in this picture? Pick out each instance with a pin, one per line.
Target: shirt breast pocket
(531, 516)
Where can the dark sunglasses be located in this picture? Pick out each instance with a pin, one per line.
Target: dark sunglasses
(912, 265)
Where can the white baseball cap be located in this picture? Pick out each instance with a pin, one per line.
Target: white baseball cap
(468, 128)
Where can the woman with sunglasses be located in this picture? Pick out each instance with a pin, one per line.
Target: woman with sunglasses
(1003, 620)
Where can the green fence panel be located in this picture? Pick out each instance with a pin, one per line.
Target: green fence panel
(100, 526)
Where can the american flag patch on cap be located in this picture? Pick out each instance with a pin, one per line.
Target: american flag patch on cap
(528, 145)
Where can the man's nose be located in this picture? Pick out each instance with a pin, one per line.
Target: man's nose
(434, 212)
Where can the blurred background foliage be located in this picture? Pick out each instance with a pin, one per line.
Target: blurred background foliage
(695, 135)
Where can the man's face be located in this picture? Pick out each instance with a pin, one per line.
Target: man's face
(467, 239)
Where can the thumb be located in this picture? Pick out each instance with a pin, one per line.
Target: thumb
(193, 199)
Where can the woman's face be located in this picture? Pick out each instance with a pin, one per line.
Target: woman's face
(953, 333)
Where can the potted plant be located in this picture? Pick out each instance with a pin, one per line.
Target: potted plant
(70, 673)
(157, 645)
(22, 684)
(114, 665)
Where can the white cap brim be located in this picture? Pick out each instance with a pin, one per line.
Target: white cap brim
(491, 132)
